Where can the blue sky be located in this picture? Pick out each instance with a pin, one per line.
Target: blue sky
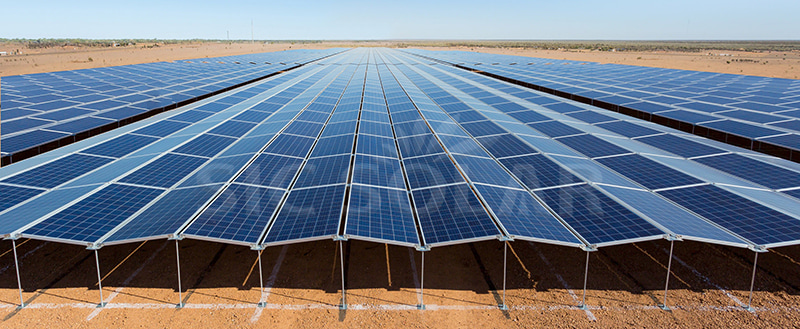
(409, 19)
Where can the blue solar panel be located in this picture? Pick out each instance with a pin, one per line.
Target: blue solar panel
(591, 116)
(462, 145)
(59, 171)
(378, 172)
(205, 145)
(536, 171)
(483, 128)
(342, 144)
(91, 218)
(528, 116)
(680, 146)
(379, 213)
(324, 171)
(746, 218)
(431, 170)
(164, 171)
(10, 127)
(484, 170)
(247, 145)
(523, 216)
(18, 217)
(309, 213)
(555, 129)
(592, 146)
(563, 107)
(290, 145)
(379, 117)
(161, 128)
(595, 216)
(166, 215)
(219, 170)
(505, 145)
(191, 116)
(419, 146)
(58, 115)
(411, 128)
(375, 128)
(628, 129)
(302, 128)
(452, 213)
(342, 128)
(753, 170)
(232, 128)
(240, 213)
(80, 125)
(742, 129)
(271, 170)
(374, 145)
(120, 146)
(648, 173)
(672, 217)
(252, 116)
(13, 195)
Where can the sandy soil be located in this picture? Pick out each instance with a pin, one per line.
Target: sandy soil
(463, 285)
(767, 64)
(72, 58)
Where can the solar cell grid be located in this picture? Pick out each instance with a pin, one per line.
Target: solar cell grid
(753, 170)
(452, 213)
(647, 172)
(484, 170)
(379, 213)
(323, 205)
(59, 171)
(324, 171)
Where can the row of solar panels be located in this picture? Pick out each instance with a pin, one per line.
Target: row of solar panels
(405, 154)
(753, 112)
(43, 111)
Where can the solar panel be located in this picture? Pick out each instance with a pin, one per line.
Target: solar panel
(308, 213)
(57, 172)
(744, 217)
(431, 170)
(753, 170)
(592, 146)
(164, 171)
(536, 171)
(628, 129)
(239, 214)
(419, 145)
(290, 145)
(382, 214)
(218, 170)
(462, 145)
(483, 170)
(452, 213)
(232, 128)
(34, 209)
(595, 216)
(647, 172)
(91, 218)
(120, 146)
(271, 170)
(522, 216)
(161, 128)
(377, 171)
(505, 145)
(166, 215)
(554, 128)
(13, 195)
(333, 145)
(324, 171)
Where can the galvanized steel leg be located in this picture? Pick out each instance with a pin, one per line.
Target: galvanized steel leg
(503, 306)
(585, 276)
(261, 281)
(178, 262)
(19, 283)
(99, 280)
(341, 258)
(669, 272)
(421, 305)
(752, 282)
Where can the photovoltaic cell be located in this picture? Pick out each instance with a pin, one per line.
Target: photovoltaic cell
(91, 218)
(120, 146)
(374, 145)
(505, 145)
(57, 172)
(161, 128)
(484, 170)
(680, 146)
(240, 213)
(219, 170)
(649, 173)
(205, 145)
(164, 171)
(18, 217)
(290, 145)
(452, 213)
(536, 171)
(380, 213)
(595, 216)
(271, 170)
(592, 146)
(309, 213)
(232, 128)
(462, 145)
(628, 129)
(432, 170)
(333, 145)
(324, 171)
(554, 129)
(13, 195)
(166, 215)
(523, 216)
(378, 171)
(753, 170)
(746, 218)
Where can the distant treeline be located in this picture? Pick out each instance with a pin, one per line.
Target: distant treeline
(686, 46)
(102, 43)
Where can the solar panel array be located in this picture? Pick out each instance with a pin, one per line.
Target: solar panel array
(384, 146)
(47, 110)
(758, 113)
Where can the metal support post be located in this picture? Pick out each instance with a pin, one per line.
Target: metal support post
(341, 258)
(585, 277)
(752, 282)
(669, 272)
(261, 282)
(503, 306)
(178, 263)
(19, 282)
(421, 305)
(99, 280)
